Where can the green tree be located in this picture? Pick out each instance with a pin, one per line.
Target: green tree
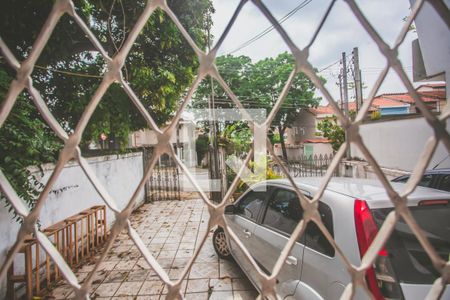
(269, 78)
(332, 131)
(24, 141)
(258, 85)
(160, 67)
(236, 72)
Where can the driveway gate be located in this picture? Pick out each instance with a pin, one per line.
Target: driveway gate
(164, 182)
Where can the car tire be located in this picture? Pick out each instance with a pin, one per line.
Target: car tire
(220, 244)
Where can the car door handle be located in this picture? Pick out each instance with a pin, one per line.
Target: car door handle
(247, 233)
(290, 260)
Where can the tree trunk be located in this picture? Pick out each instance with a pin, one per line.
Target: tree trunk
(283, 145)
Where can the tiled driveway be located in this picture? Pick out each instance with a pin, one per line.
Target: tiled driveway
(171, 230)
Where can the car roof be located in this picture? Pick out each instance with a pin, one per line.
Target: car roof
(430, 172)
(369, 190)
(438, 171)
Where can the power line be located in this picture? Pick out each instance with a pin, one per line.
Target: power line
(329, 66)
(68, 73)
(271, 27)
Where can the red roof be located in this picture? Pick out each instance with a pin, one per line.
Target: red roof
(317, 140)
(328, 109)
(406, 98)
(389, 100)
(322, 110)
(386, 101)
(440, 94)
(432, 85)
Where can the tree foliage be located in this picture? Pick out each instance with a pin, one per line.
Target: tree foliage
(160, 67)
(24, 141)
(258, 85)
(332, 131)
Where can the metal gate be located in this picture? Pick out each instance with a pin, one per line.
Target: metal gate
(164, 182)
(308, 166)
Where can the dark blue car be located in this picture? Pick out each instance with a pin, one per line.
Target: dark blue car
(436, 179)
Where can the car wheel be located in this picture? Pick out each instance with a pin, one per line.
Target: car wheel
(220, 244)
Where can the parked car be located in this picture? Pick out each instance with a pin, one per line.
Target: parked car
(352, 210)
(436, 179)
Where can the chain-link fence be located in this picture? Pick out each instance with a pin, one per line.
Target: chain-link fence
(207, 66)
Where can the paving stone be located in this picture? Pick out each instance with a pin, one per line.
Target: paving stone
(184, 253)
(107, 289)
(242, 284)
(151, 288)
(62, 292)
(166, 263)
(125, 265)
(116, 276)
(245, 295)
(204, 270)
(129, 289)
(137, 275)
(99, 276)
(186, 246)
(182, 288)
(197, 285)
(175, 274)
(180, 263)
(168, 247)
(81, 276)
(196, 296)
(142, 264)
(173, 240)
(147, 297)
(220, 284)
(167, 254)
(88, 267)
(221, 295)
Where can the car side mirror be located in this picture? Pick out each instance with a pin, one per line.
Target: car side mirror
(230, 209)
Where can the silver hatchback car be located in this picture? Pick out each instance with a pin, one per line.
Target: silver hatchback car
(352, 210)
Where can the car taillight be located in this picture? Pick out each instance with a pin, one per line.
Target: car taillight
(433, 202)
(380, 278)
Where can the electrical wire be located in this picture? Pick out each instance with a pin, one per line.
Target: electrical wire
(271, 27)
(68, 73)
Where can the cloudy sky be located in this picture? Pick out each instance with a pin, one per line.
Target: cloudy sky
(341, 33)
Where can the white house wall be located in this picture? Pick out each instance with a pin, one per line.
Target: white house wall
(398, 144)
(120, 176)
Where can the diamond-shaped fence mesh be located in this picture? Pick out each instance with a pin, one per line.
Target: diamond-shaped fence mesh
(114, 74)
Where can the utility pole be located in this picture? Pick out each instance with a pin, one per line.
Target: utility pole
(348, 169)
(341, 97)
(358, 82)
(213, 146)
(344, 84)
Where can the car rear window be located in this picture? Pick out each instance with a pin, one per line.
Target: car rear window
(315, 239)
(410, 261)
(444, 183)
